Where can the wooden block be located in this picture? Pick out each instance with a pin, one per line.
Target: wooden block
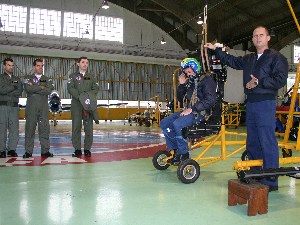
(255, 193)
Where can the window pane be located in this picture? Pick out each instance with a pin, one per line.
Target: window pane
(109, 28)
(13, 18)
(76, 25)
(44, 21)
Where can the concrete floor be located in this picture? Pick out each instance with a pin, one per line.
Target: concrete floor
(120, 186)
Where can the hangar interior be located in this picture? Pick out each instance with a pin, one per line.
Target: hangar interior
(134, 49)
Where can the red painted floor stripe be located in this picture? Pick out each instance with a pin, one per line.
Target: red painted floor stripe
(119, 155)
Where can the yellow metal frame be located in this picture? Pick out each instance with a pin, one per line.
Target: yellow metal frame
(245, 165)
(291, 113)
(232, 114)
(293, 14)
(219, 140)
(157, 110)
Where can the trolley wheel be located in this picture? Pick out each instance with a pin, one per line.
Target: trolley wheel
(158, 160)
(188, 171)
(244, 156)
(286, 153)
(147, 123)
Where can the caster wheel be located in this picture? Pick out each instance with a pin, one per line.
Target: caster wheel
(286, 153)
(158, 160)
(244, 156)
(188, 171)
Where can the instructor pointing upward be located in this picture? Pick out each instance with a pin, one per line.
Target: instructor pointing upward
(264, 72)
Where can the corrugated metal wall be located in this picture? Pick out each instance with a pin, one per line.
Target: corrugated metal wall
(117, 80)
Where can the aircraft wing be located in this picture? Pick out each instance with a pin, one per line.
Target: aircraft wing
(66, 107)
(113, 104)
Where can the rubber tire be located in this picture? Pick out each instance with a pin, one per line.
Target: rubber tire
(287, 154)
(185, 167)
(147, 124)
(157, 160)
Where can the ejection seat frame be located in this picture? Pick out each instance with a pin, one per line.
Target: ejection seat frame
(188, 171)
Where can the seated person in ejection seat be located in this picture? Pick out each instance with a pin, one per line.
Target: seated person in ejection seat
(199, 92)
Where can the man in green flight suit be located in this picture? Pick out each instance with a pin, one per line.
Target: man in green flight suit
(37, 87)
(83, 88)
(11, 89)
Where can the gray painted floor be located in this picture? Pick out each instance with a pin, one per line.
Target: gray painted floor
(132, 192)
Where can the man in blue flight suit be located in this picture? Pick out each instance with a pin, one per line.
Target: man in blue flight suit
(199, 93)
(264, 72)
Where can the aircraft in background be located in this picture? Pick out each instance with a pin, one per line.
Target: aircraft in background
(113, 104)
(56, 107)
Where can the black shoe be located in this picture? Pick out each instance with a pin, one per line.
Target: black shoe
(3, 154)
(47, 154)
(87, 153)
(179, 158)
(12, 153)
(273, 188)
(77, 153)
(27, 155)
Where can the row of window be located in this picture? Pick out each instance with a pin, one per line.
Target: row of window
(49, 22)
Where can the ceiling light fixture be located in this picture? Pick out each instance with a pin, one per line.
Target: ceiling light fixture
(87, 31)
(105, 4)
(163, 41)
(200, 20)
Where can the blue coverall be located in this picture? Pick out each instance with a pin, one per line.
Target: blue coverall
(271, 70)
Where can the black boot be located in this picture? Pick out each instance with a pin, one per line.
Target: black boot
(12, 153)
(3, 154)
(87, 153)
(179, 158)
(27, 155)
(77, 153)
(47, 154)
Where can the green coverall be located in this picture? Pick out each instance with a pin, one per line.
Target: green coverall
(37, 111)
(77, 85)
(11, 89)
